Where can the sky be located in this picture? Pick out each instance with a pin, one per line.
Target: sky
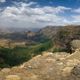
(39, 13)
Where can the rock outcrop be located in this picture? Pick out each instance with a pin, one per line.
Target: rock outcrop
(48, 66)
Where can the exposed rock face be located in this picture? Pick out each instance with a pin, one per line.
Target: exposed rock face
(76, 71)
(49, 66)
(75, 55)
(75, 44)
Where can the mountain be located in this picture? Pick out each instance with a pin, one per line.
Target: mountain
(49, 31)
(69, 30)
(17, 29)
(62, 35)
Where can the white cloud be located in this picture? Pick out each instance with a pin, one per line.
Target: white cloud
(23, 15)
(76, 16)
(76, 19)
(2, 1)
(77, 10)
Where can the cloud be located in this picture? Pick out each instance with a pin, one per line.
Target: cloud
(77, 10)
(24, 15)
(2, 1)
(76, 16)
(76, 19)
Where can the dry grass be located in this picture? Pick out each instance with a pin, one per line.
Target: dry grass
(8, 43)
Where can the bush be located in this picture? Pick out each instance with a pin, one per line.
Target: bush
(42, 47)
(59, 50)
(18, 55)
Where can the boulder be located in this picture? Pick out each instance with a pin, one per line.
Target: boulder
(75, 44)
(5, 70)
(76, 71)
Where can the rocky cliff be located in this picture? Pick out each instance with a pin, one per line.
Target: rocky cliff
(48, 66)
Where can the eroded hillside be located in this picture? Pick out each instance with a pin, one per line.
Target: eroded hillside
(48, 66)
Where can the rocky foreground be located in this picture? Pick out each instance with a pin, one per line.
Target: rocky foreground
(49, 66)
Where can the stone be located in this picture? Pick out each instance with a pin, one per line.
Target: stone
(67, 70)
(50, 60)
(47, 54)
(5, 70)
(60, 64)
(72, 62)
(76, 71)
(13, 77)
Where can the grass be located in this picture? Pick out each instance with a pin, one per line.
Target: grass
(6, 43)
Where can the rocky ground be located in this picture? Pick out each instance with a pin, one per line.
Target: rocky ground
(49, 66)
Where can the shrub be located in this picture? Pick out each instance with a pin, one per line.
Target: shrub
(59, 50)
(18, 55)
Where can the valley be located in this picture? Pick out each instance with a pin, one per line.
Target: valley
(26, 45)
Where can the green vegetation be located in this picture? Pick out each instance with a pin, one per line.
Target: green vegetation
(58, 50)
(11, 57)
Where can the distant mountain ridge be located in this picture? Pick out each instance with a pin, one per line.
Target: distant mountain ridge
(17, 29)
(61, 36)
(50, 31)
